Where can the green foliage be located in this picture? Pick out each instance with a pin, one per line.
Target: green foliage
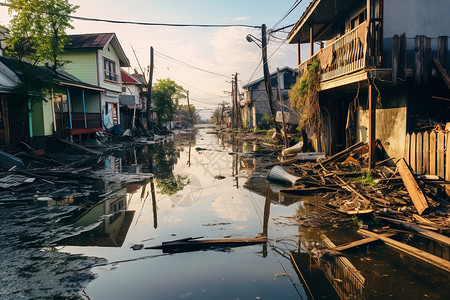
(256, 130)
(189, 113)
(172, 184)
(166, 94)
(304, 96)
(266, 122)
(367, 178)
(246, 122)
(38, 29)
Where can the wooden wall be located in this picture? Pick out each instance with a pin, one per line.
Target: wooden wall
(428, 153)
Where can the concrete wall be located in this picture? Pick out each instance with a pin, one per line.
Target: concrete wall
(391, 121)
(416, 17)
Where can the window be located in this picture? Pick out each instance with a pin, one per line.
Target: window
(110, 70)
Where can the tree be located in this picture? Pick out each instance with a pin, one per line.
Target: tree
(38, 29)
(189, 113)
(166, 94)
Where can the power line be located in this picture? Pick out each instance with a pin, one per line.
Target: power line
(290, 10)
(162, 24)
(151, 23)
(165, 56)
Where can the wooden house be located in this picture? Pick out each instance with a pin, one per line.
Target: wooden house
(96, 59)
(133, 99)
(256, 102)
(382, 72)
(24, 116)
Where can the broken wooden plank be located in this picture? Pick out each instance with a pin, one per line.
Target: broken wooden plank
(424, 232)
(412, 251)
(412, 187)
(361, 242)
(194, 244)
(80, 147)
(342, 153)
(357, 275)
(310, 156)
(442, 72)
(433, 153)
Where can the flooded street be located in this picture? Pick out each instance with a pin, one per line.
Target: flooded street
(205, 185)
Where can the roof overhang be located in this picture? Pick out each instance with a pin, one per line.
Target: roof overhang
(114, 41)
(321, 15)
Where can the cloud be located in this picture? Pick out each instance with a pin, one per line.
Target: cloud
(241, 18)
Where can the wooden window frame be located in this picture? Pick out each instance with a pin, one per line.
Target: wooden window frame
(110, 70)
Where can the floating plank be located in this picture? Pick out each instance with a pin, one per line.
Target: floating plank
(433, 153)
(411, 185)
(425, 232)
(417, 253)
(194, 244)
(344, 261)
(360, 242)
(440, 154)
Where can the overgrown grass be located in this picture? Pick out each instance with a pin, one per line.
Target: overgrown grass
(367, 178)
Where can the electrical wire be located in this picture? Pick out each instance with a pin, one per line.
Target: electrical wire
(290, 10)
(165, 56)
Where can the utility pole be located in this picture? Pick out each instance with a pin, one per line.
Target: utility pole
(238, 110)
(189, 108)
(149, 95)
(286, 142)
(233, 106)
(266, 72)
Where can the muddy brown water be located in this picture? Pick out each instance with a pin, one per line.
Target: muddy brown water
(205, 185)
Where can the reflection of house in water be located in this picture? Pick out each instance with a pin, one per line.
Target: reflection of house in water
(114, 221)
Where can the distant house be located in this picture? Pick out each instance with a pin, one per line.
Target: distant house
(256, 102)
(96, 59)
(53, 114)
(383, 73)
(133, 100)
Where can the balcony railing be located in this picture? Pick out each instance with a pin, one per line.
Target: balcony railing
(93, 120)
(345, 55)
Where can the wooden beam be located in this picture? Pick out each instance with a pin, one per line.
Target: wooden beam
(442, 239)
(360, 242)
(442, 72)
(417, 196)
(412, 251)
(311, 40)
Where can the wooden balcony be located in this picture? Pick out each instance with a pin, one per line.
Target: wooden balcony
(92, 124)
(345, 55)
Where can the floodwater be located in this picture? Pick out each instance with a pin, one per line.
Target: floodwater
(205, 185)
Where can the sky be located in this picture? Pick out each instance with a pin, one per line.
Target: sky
(224, 51)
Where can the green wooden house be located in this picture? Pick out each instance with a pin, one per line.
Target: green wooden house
(95, 59)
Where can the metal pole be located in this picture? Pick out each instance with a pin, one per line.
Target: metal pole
(84, 108)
